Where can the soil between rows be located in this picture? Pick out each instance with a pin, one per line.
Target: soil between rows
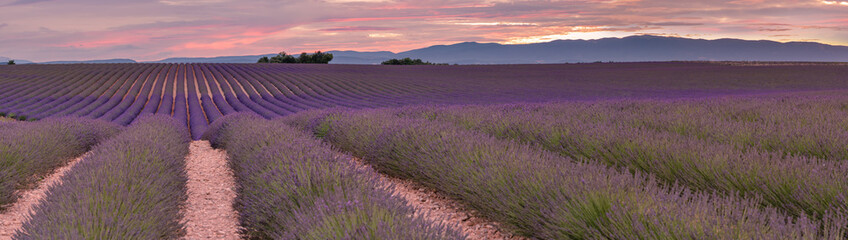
(438, 209)
(12, 218)
(209, 213)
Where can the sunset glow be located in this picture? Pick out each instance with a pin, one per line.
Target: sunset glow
(46, 30)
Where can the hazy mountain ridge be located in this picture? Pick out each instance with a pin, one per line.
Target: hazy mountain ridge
(116, 60)
(220, 59)
(627, 49)
(4, 60)
(635, 48)
(349, 57)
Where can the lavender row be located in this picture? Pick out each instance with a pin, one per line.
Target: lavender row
(130, 187)
(791, 124)
(26, 96)
(31, 150)
(291, 186)
(123, 92)
(797, 185)
(540, 194)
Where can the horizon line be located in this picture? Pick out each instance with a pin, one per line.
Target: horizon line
(455, 43)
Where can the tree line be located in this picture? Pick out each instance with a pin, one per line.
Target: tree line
(282, 57)
(409, 61)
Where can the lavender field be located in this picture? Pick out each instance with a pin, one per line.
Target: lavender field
(667, 150)
(198, 94)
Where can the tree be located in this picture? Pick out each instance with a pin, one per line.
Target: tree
(11, 62)
(282, 57)
(304, 58)
(408, 61)
(319, 57)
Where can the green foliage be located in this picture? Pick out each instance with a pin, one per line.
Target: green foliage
(282, 57)
(409, 61)
(10, 62)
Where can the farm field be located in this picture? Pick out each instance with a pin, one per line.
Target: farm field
(668, 150)
(198, 94)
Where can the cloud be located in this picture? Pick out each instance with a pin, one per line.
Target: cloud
(356, 28)
(384, 35)
(676, 24)
(496, 24)
(24, 2)
(190, 2)
(155, 29)
(774, 29)
(836, 3)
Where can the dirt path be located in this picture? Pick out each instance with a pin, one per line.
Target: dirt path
(209, 212)
(437, 208)
(13, 217)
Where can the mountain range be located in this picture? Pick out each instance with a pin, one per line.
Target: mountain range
(627, 49)
(4, 60)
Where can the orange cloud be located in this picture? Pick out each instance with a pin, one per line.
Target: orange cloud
(147, 30)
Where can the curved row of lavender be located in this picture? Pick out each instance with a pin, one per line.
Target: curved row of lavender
(31, 150)
(198, 94)
(194, 94)
(130, 187)
(541, 194)
(779, 165)
(291, 186)
(804, 125)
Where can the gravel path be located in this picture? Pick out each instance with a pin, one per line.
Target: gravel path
(13, 217)
(435, 207)
(209, 212)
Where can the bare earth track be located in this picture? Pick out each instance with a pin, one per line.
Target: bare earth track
(437, 208)
(13, 218)
(209, 212)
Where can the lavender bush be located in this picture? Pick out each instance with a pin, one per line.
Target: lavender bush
(798, 185)
(810, 125)
(130, 187)
(123, 92)
(543, 195)
(31, 150)
(291, 186)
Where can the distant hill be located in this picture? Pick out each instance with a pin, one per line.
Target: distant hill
(4, 60)
(354, 57)
(343, 57)
(631, 49)
(628, 49)
(117, 60)
(222, 59)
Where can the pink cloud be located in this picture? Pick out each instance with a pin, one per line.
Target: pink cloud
(357, 28)
(369, 19)
(147, 30)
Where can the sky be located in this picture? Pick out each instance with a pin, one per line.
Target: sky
(47, 30)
